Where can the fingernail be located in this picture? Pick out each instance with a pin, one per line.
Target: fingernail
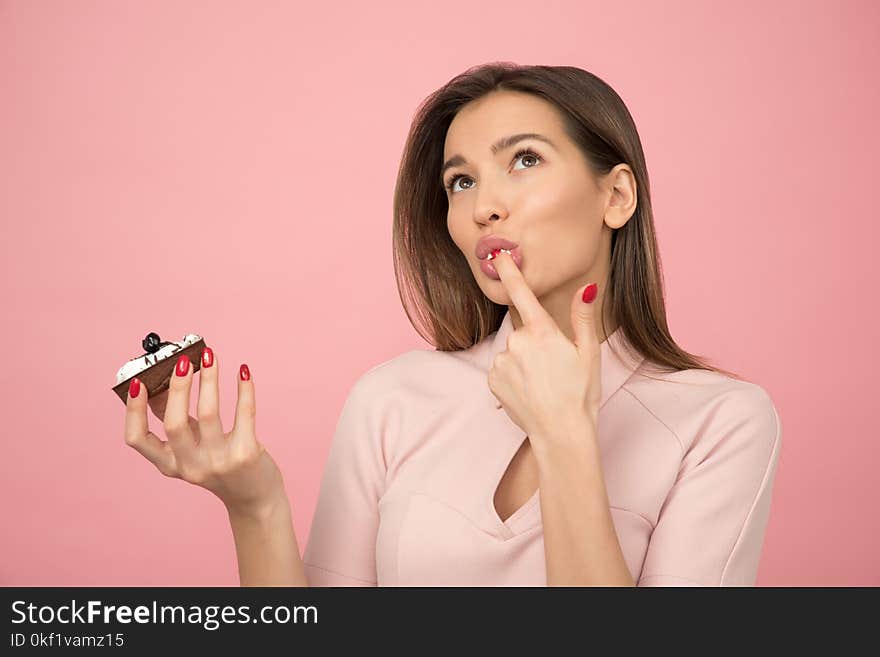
(244, 373)
(182, 365)
(590, 293)
(207, 357)
(134, 388)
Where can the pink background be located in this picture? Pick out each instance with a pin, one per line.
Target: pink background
(227, 168)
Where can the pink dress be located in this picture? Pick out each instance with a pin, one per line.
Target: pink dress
(406, 498)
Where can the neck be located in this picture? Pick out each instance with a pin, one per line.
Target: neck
(558, 306)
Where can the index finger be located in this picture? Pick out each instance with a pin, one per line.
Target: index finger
(138, 435)
(527, 304)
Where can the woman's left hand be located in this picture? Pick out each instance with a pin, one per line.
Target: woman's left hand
(546, 384)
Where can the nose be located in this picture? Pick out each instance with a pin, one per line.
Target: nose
(491, 219)
(489, 214)
(489, 206)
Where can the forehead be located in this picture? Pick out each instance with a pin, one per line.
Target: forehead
(500, 113)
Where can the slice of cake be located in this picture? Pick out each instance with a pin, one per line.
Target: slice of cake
(155, 367)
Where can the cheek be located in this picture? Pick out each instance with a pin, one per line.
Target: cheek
(453, 226)
(565, 232)
(560, 203)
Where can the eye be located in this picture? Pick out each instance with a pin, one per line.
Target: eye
(526, 153)
(523, 152)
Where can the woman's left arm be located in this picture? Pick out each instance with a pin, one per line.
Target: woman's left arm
(711, 527)
(551, 388)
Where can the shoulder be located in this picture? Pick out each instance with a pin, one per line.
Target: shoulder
(420, 373)
(701, 404)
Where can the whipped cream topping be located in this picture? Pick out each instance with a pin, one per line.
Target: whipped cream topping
(139, 364)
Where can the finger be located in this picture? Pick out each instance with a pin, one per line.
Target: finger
(530, 309)
(137, 434)
(158, 403)
(208, 410)
(177, 426)
(584, 308)
(583, 313)
(245, 409)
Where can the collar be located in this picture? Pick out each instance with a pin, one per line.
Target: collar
(616, 368)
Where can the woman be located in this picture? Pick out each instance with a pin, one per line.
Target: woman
(557, 435)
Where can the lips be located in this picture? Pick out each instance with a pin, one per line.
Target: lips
(489, 247)
(490, 243)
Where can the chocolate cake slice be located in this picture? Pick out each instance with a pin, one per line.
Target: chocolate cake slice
(155, 367)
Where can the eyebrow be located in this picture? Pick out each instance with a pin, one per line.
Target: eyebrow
(501, 144)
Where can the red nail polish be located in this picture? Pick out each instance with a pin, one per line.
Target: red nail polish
(182, 365)
(244, 373)
(207, 357)
(590, 293)
(134, 388)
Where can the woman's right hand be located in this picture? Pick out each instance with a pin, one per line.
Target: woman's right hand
(234, 466)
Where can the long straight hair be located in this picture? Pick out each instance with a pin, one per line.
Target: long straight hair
(436, 286)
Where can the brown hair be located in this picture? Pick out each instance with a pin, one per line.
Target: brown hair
(434, 274)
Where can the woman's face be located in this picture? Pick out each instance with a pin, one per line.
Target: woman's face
(546, 201)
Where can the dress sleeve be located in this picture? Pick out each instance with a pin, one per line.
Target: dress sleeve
(710, 530)
(341, 549)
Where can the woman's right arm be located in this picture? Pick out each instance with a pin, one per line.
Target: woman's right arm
(235, 467)
(265, 545)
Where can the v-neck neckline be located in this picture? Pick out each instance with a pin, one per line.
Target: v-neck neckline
(510, 527)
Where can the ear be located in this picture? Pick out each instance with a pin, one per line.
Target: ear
(620, 186)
